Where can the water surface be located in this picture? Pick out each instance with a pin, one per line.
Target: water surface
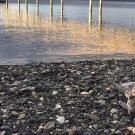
(26, 37)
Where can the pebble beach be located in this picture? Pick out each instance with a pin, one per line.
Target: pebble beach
(66, 98)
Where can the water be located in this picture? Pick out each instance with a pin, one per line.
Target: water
(26, 37)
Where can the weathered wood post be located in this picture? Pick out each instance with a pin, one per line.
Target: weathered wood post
(51, 9)
(19, 5)
(7, 4)
(100, 11)
(62, 9)
(37, 7)
(90, 12)
(26, 6)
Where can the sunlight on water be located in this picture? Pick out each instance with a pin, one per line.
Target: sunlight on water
(32, 37)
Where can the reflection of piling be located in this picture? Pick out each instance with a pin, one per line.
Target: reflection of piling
(7, 4)
(26, 6)
(62, 9)
(90, 12)
(100, 11)
(51, 9)
(37, 7)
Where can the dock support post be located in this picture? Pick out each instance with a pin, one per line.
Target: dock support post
(37, 7)
(7, 4)
(19, 6)
(100, 11)
(26, 6)
(51, 9)
(90, 12)
(62, 9)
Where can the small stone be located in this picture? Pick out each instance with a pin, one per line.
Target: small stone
(22, 116)
(49, 125)
(125, 120)
(58, 106)
(132, 129)
(54, 92)
(113, 130)
(94, 117)
(60, 119)
(41, 98)
(114, 111)
(34, 94)
(118, 132)
(67, 87)
(5, 128)
(84, 93)
(14, 113)
(95, 126)
(106, 131)
(115, 116)
(3, 133)
(102, 102)
(72, 131)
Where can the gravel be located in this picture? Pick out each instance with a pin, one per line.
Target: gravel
(75, 98)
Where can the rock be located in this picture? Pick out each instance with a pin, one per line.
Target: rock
(41, 98)
(115, 116)
(84, 93)
(58, 106)
(72, 131)
(14, 113)
(102, 102)
(3, 133)
(132, 129)
(68, 88)
(114, 111)
(5, 128)
(49, 125)
(34, 94)
(94, 117)
(124, 120)
(21, 116)
(118, 132)
(54, 92)
(60, 119)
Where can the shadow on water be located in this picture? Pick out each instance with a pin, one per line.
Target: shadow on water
(27, 37)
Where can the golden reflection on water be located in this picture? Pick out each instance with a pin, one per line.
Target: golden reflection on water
(81, 38)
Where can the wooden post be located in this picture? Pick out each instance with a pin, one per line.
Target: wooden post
(90, 12)
(62, 9)
(26, 6)
(51, 9)
(37, 7)
(19, 6)
(100, 11)
(7, 4)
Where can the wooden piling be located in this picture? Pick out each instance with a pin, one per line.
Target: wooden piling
(62, 9)
(90, 12)
(19, 6)
(51, 9)
(37, 7)
(26, 6)
(7, 4)
(100, 11)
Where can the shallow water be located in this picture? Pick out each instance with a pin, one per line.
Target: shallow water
(26, 37)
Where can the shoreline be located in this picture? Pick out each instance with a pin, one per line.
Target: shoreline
(65, 98)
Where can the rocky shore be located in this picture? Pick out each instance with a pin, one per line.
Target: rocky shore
(75, 98)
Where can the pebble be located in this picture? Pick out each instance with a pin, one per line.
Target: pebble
(58, 106)
(5, 128)
(84, 93)
(54, 92)
(114, 111)
(60, 119)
